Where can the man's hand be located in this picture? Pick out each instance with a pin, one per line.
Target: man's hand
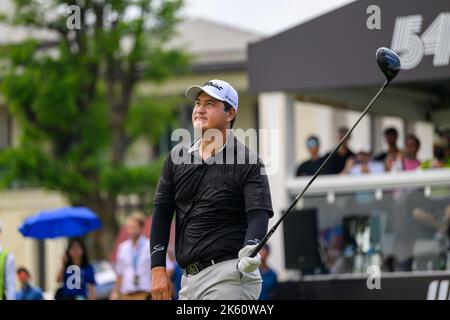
(247, 264)
(161, 285)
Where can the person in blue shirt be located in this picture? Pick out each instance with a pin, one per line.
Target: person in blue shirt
(77, 273)
(27, 291)
(268, 276)
(176, 281)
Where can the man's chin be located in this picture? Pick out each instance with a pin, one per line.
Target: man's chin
(199, 125)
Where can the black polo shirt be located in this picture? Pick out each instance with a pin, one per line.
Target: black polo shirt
(212, 199)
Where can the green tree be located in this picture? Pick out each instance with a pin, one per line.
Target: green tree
(75, 99)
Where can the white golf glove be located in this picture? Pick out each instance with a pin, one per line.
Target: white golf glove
(245, 263)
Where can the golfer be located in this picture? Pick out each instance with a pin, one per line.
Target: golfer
(221, 197)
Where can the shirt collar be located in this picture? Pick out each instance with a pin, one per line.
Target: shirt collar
(196, 146)
(139, 242)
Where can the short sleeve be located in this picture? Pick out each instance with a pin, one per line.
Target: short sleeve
(256, 190)
(164, 191)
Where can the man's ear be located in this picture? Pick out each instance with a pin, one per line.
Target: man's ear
(231, 115)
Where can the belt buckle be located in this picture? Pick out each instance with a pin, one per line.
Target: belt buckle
(192, 269)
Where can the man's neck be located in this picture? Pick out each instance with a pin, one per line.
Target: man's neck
(393, 149)
(209, 147)
(26, 286)
(134, 240)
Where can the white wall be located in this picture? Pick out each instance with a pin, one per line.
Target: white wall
(360, 139)
(424, 131)
(312, 119)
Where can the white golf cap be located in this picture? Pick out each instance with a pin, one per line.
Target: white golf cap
(218, 89)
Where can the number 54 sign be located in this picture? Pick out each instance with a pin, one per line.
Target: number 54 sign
(434, 41)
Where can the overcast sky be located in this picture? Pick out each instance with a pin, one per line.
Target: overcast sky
(264, 16)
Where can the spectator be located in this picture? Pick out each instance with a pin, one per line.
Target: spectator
(412, 145)
(406, 161)
(337, 162)
(439, 159)
(446, 137)
(362, 163)
(27, 291)
(391, 136)
(76, 273)
(176, 281)
(175, 275)
(268, 276)
(7, 273)
(309, 167)
(133, 263)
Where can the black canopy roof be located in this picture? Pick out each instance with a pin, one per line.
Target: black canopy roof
(338, 49)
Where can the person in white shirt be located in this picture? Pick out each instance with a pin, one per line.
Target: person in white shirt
(7, 273)
(362, 163)
(133, 266)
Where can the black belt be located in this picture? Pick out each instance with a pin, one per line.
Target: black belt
(196, 267)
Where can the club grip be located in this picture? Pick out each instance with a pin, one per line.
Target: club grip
(262, 243)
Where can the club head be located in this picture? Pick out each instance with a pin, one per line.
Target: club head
(389, 62)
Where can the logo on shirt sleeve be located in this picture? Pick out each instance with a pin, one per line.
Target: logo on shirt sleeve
(158, 247)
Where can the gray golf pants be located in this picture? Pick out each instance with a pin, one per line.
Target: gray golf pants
(221, 281)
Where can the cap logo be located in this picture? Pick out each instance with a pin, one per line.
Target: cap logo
(212, 84)
(231, 100)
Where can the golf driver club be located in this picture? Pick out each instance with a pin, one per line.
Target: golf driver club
(389, 63)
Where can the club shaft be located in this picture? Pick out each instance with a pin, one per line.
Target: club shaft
(298, 197)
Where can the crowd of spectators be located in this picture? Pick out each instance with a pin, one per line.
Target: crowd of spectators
(347, 162)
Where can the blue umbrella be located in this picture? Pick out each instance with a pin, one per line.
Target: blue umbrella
(63, 222)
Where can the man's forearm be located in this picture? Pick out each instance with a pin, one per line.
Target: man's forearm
(159, 236)
(118, 284)
(257, 221)
(91, 292)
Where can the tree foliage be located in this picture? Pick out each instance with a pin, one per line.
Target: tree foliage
(74, 97)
